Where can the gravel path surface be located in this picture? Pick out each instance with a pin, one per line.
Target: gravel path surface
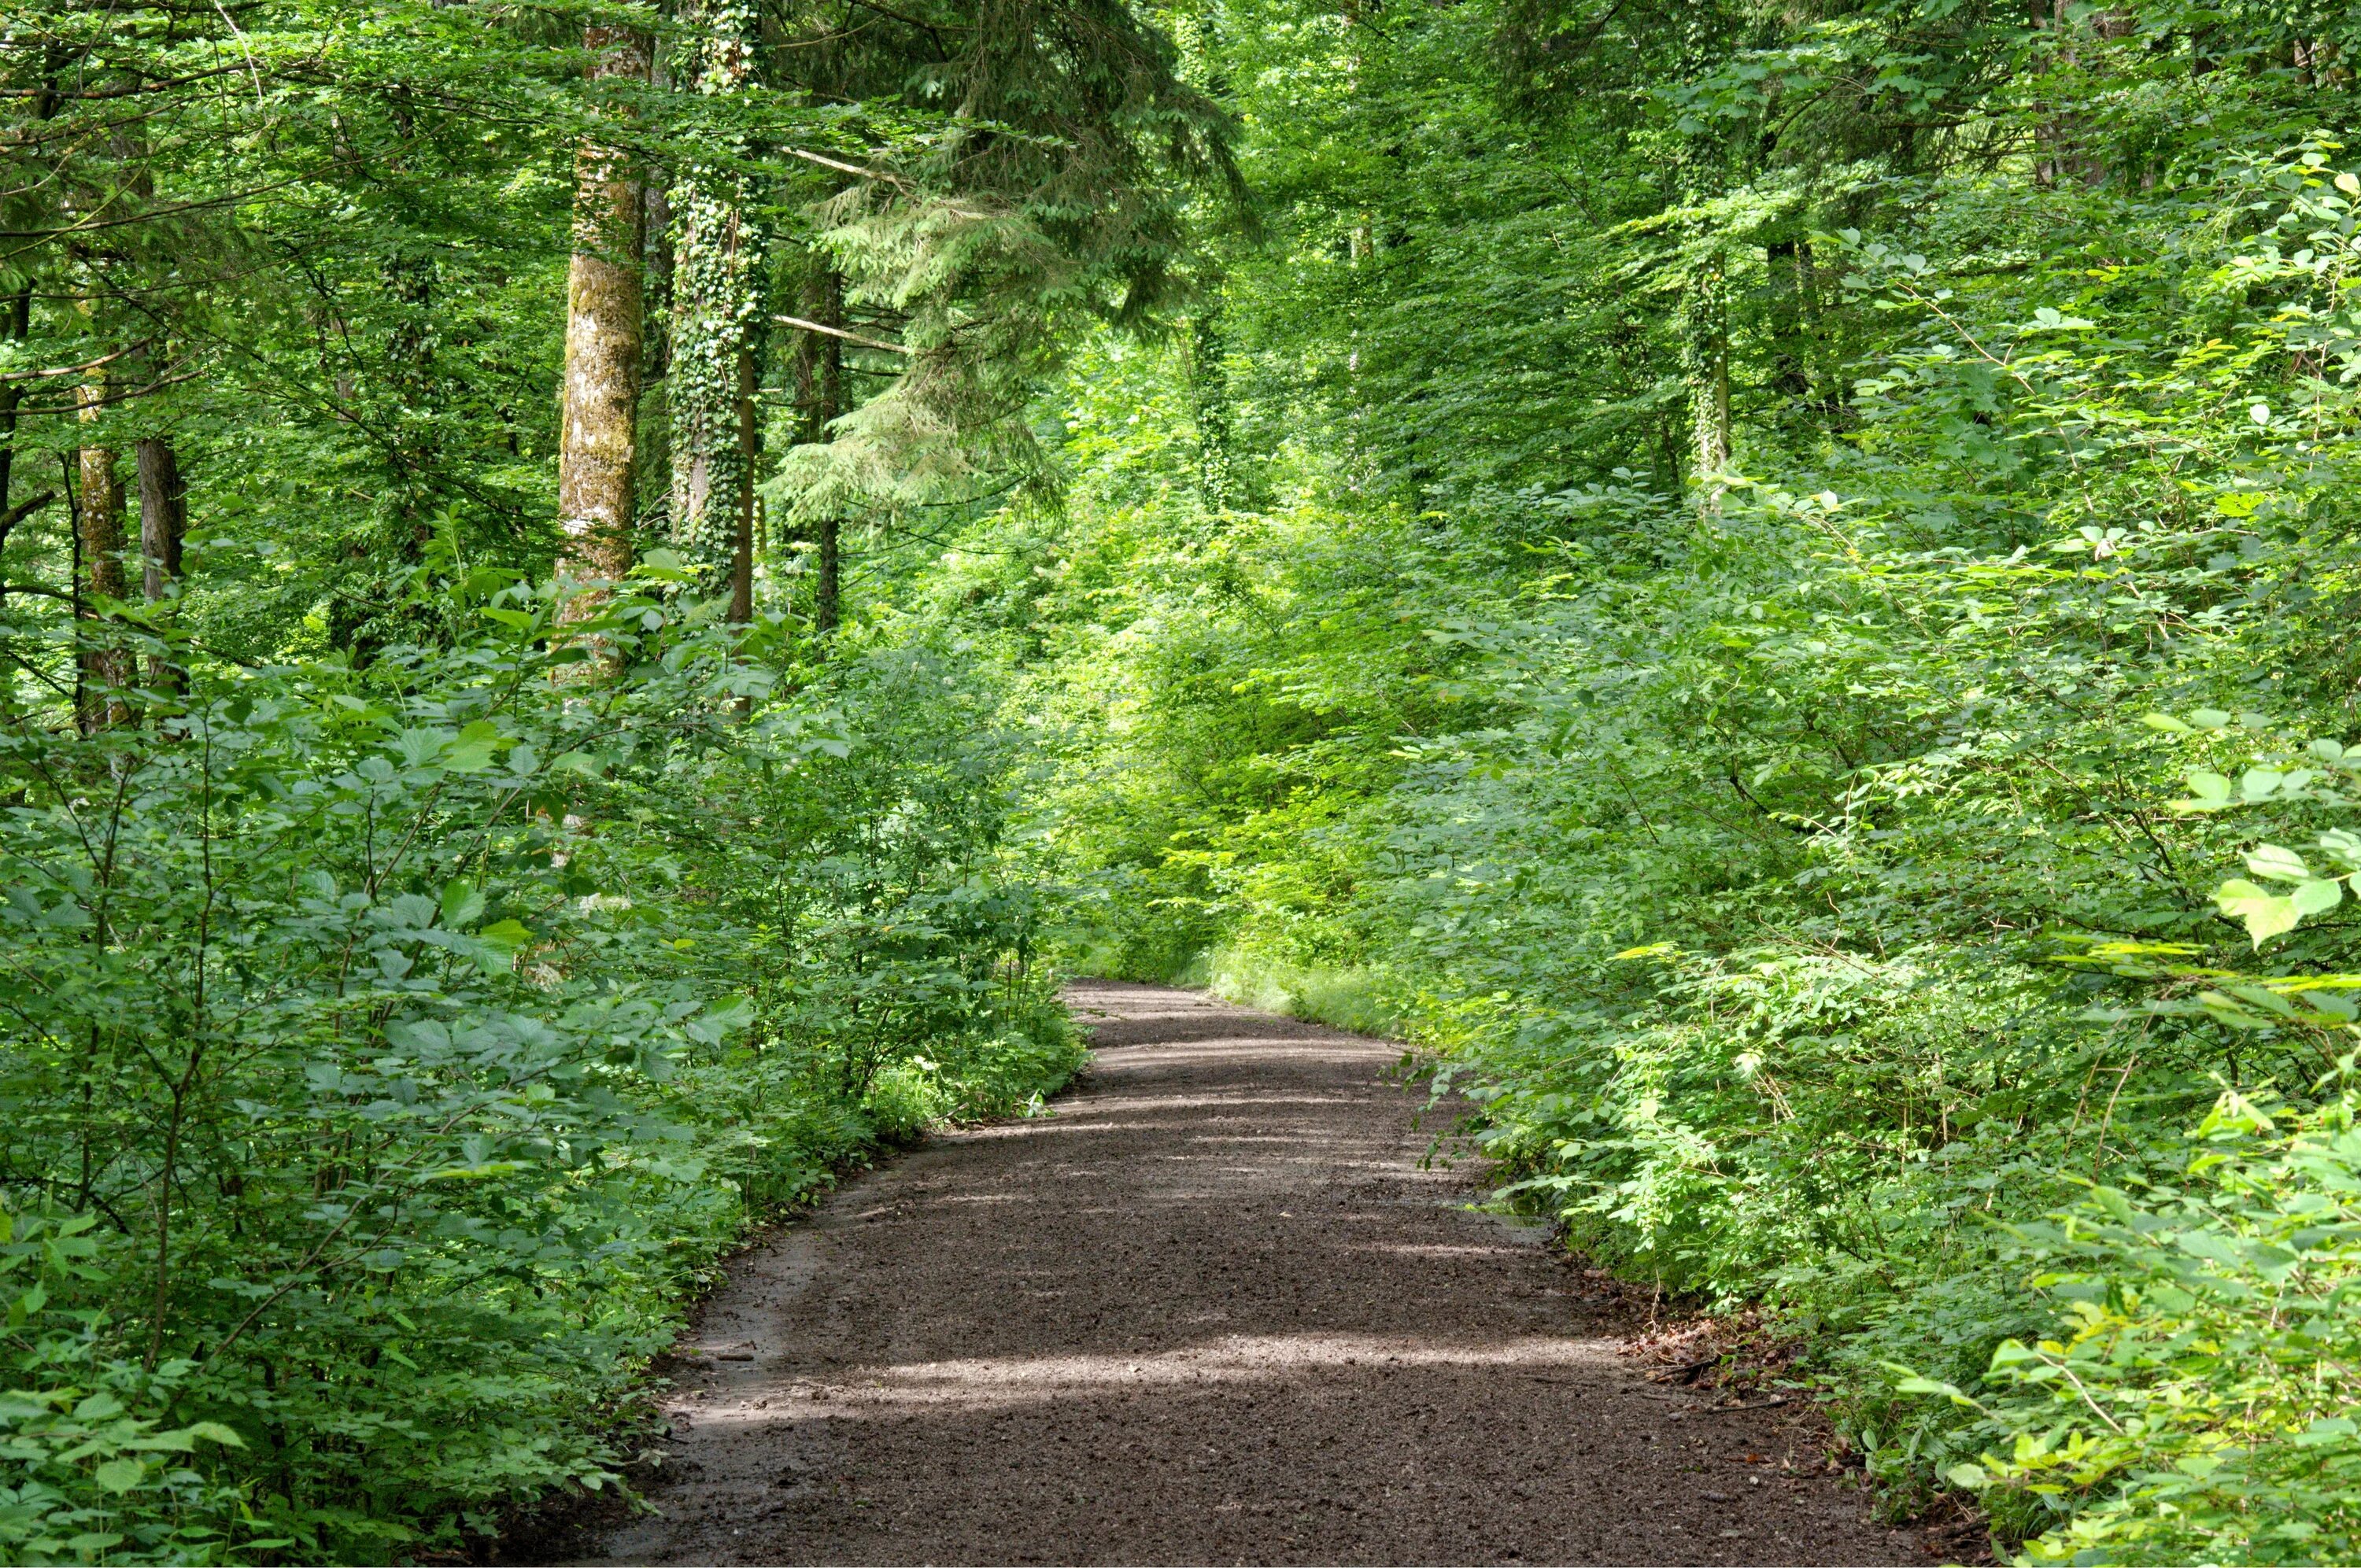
(1211, 1309)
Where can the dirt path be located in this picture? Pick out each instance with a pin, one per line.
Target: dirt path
(1211, 1310)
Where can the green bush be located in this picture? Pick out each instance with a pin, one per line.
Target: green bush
(395, 1047)
(2196, 1401)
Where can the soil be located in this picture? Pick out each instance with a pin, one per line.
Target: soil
(1218, 1306)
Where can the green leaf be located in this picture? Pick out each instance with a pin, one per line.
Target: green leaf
(2278, 864)
(463, 906)
(119, 1475)
(2210, 791)
(469, 756)
(420, 747)
(2265, 914)
(2318, 896)
(510, 934)
(501, 942)
(664, 565)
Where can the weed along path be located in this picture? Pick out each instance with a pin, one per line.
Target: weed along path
(1209, 1311)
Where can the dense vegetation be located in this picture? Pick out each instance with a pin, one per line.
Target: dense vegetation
(419, 966)
(596, 598)
(1767, 582)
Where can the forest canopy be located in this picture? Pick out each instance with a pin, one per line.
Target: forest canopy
(599, 600)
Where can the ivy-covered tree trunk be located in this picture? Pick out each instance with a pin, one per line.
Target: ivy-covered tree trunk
(598, 441)
(715, 306)
(1707, 350)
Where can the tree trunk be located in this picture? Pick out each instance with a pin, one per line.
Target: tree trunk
(20, 326)
(1824, 367)
(163, 514)
(819, 392)
(163, 522)
(598, 437)
(741, 554)
(1708, 367)
(1210, 395)
(715, 307)
(1790, 352)
(98, 530)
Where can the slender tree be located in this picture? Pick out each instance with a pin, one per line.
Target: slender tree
(1707, 355)
(163, 522)
(819, 399)
(106, 664)
(598, 433)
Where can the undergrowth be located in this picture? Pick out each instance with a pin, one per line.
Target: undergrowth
(1882, 882)
(466, 1012)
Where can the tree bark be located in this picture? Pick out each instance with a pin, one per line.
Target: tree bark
(98, 525)
(599, 436)
(741, 554)
(820, 391)
(163, 522)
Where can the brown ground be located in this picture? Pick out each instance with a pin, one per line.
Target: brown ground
(1210, 1311)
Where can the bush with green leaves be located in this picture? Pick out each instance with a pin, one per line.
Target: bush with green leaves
(392, 1048)
(2196, 1402)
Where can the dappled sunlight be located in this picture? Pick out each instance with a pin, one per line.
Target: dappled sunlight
(1226, 1310)
(1235, 1360)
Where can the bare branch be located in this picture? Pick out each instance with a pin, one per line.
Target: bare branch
(802, 324)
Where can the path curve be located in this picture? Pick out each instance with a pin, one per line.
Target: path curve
(1211, 1309)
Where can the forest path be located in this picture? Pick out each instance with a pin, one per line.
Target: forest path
(1209, 1311)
